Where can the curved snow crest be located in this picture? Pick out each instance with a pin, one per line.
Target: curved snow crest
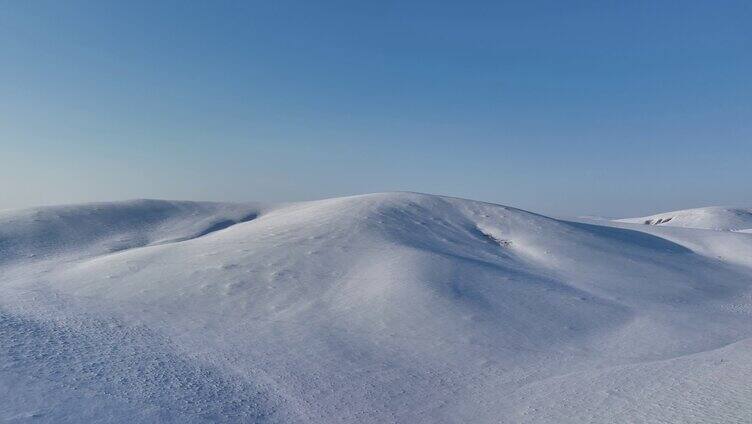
(387, 307)
(99, 228)
(711, 218)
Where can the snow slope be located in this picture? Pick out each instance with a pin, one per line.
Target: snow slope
(390, 307)
(713, 218)
(98, 228)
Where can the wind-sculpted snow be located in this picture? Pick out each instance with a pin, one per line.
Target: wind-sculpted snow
(119, 369)
(98, 228)
(392, 307)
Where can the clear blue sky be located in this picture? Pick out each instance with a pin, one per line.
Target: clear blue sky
(601, 107)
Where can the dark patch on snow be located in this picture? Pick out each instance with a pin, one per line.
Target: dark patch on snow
(489, 237)
(658, 221)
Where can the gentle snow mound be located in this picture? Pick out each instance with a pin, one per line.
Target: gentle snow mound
(99, 228)
(712, 218)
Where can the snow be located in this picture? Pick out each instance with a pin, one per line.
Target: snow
(713, 218)
(388, 307)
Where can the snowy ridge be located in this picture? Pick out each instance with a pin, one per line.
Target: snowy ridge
(389, 307)
(98, 228)
(712, 218)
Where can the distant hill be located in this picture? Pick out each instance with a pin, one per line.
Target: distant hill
(712, 218)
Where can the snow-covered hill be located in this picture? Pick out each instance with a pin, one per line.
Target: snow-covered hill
(391, 307)
(712, 218)
(97, 228)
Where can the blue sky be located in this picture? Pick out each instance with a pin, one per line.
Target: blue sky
(611, 108)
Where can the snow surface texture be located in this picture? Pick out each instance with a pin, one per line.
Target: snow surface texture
(393, 307)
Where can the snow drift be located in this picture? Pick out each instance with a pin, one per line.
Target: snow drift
(390, 307)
